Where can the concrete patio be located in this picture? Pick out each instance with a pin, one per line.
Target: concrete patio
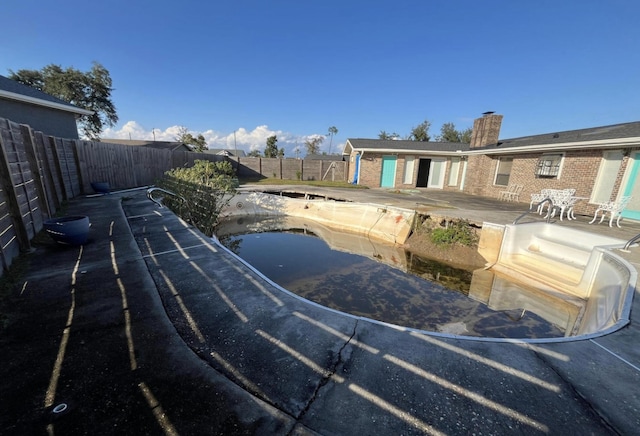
(150, 328)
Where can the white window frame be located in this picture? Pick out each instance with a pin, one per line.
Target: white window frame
(498, 174)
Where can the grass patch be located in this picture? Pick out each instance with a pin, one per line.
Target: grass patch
(272, 181)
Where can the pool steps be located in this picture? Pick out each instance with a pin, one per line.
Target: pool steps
(553, 256)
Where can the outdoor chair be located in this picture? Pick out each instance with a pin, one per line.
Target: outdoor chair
(615, 209)
(511, 194)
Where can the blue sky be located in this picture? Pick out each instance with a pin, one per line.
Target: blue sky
(294, 68)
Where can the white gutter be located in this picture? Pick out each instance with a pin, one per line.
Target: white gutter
(603, 143)
(408, 151)
(45, 103)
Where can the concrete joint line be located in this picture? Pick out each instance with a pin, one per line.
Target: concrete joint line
(615, 355)
(144, 256)
(142, 216)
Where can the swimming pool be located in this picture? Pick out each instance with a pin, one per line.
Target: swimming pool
(528, 308)
(383, 282)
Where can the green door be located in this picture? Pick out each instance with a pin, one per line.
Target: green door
(632, 188)
(388, 176)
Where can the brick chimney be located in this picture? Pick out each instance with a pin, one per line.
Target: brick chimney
(486, 130)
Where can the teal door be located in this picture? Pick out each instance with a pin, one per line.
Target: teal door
(632, 188)
(388, 176)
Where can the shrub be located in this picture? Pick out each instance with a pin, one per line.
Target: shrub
(202, 190)
(457, 232)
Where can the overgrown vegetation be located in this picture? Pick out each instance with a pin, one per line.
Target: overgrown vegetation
(202, 190)
(449, 232)
(455, 232)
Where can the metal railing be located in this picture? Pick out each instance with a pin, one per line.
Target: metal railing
(150, 192)
(537, 208)
(636, 238)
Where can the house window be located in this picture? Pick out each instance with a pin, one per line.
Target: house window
(454, 171)
(548, 166)
(504, 171)
(409, 164)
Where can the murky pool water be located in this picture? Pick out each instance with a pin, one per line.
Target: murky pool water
(355, 275)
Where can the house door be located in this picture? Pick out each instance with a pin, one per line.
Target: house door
(388, 176)
(632, 188)
(423, 173)
(436, 173)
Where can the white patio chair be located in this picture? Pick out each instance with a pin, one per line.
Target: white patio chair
(514, 195)
(504, 195)
(614, 208)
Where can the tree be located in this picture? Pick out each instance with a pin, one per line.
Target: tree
(465, 135)
(332, 131)
(387, 136)
(449, 133)
(421, 132)
(313, 144)
(199, 144)
(254, 153)
(271, 150)
(90, 90)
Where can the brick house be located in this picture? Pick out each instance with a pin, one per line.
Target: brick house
(43, 112)
(601, 163)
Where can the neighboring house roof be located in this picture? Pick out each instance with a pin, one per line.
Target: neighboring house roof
(225, 152)
(12, 90)
(404, 146)
(613, 136)
(163, 145)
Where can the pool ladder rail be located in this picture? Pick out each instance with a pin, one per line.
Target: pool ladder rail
(537, 207)
(150, 192)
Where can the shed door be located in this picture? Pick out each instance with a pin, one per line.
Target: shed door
(388, 176)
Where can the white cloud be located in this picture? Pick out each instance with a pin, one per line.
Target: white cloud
(242, 139)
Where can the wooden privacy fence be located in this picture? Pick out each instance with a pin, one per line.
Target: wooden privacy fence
(38, 173)
(291, 169)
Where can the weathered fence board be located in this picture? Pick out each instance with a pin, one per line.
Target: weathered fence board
(15, 186)
(9, 247)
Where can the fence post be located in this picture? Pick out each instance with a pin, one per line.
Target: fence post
(56, 161)
(30, 150)
(12, 197)
(76, 158)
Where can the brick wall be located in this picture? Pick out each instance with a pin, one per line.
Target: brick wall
(579, 171)
(370, 170)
